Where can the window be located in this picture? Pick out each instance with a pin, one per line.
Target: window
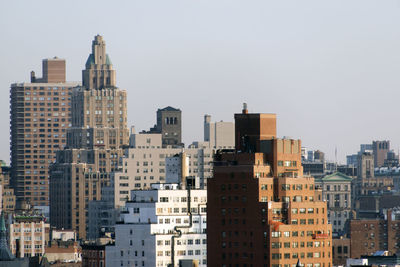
(163, 199)
(275, 234)
(286, 234)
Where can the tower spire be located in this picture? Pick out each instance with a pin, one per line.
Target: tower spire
(98, 72)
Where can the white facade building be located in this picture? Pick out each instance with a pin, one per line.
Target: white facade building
(158, 228)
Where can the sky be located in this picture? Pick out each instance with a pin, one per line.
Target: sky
(328, 69)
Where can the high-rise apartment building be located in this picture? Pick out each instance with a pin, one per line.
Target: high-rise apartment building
(95, 143)
(262, 211)
(40, 115)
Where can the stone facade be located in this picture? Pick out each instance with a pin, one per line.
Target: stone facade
(336, 190)
(95, 141)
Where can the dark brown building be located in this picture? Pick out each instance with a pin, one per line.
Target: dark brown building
(93, 255)
(40, 115)
(340, 251)
(261, 210)
(371, 235)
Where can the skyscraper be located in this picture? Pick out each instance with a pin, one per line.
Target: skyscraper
(40, 115)
(261, 210)
(95, 143)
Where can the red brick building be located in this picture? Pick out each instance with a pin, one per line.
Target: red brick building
(262, 211)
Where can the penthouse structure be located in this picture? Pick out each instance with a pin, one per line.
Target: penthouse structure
(262, 211)
(40, 113)
(95, 142)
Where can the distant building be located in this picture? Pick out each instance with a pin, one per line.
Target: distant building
(314, 168)
(380, 150)
(169, 125)
(319, 155)
(391, 160)
(219, 134)
(371, 235)
(40, 114)
(352, 159)
(336, 190)
(365, 148)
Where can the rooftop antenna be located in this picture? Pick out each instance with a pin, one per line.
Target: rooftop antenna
(336, 159)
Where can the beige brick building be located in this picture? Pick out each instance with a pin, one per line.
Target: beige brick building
(95, 143)
(28, 235)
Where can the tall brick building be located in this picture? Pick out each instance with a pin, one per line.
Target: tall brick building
(40, 115)
(262, 211)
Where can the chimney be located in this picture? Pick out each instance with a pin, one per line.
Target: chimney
(33, 78)
(244, 111)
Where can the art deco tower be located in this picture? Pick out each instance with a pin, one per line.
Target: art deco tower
(95, 141)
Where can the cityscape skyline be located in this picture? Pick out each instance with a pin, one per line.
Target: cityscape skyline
(161, 62)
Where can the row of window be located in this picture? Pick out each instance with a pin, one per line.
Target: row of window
(294, 234)
(182, 242)
(310, 244)
(278, 256)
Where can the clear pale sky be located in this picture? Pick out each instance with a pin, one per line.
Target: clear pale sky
(330, 70)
